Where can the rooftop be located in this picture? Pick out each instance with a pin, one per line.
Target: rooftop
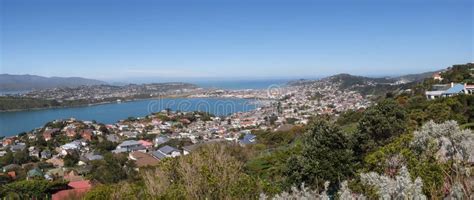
(167, 149)
(455, 89)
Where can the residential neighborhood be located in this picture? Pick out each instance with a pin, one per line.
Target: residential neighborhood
(80, 152)
(70, 149)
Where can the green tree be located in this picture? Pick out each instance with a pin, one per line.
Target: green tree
(438, 112)
(71, 159)
(21, 157)
(379, 126)
(31, 189)
(7, 158)
(326, 156)
(113, 168)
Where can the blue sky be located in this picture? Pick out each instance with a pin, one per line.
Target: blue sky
(177, 39)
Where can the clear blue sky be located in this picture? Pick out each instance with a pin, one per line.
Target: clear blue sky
(118, 39)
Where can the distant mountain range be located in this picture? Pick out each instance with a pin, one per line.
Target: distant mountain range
(10, 82)
(370, 85)
(348, 80)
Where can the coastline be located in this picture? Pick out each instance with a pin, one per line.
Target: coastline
(256, 104)
(123, 101)
(91, 104)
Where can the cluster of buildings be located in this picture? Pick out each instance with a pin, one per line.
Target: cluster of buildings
(104, 92)
(169, 134)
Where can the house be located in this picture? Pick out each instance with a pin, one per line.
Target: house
(123, 127)
(129, 134)
(34, 173)
(18, 147)
(11, 174)
(190, 148)
(55, 173)
(248, 139)
(86, 134)
(449, 90)
(55, 161)
(8, 141)
(91, 156)
(71, 132)
(455, 89)
(33, 152)
(166, 152)
(129, 146)
(437, 76)
(74, 145)
(76, 189)
(160, 140)
(143, 159)
(112, 138)
(48, 134)
(146, 144)
(46, 154)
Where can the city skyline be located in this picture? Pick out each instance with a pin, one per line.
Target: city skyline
(119, 41)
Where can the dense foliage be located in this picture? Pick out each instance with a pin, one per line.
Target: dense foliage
(210, 173)
(326, 156)
(31, 189)
(379, 125)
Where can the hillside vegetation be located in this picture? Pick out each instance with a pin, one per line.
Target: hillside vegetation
(404, 147)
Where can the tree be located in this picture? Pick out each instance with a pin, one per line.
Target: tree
(31, 189)
(438, 112)
(113, 168)
(7, 158)
(71, 159)
(103, 129)
(21, 157)
(104, 145)
(326, 156)
(379, 125)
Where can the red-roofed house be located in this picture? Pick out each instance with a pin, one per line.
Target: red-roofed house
(48, 134)
(8, 141)
(437, 76)
(71, 132)
(146, 143)
(11, 174)
(87, 134)
(78, 189)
